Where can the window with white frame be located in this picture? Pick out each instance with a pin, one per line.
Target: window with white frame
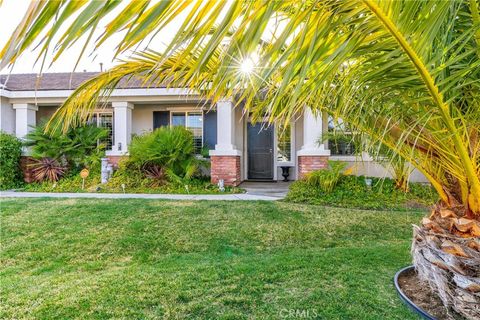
(192, 121)
(104, 120)
(340, 138)
(284, 143)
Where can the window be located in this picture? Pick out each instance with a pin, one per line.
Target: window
(195, 125)
(193, 121)
(340, 139)
(284, 143)
(104, 120)
(178, 119)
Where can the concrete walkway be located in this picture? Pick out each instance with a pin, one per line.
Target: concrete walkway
(239, 196)
(270, 189)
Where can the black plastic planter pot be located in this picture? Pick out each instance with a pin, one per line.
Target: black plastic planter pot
(406, 300)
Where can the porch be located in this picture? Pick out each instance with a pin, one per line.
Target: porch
(238, 149)
(258, 151)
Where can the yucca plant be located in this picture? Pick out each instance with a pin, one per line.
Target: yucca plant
(407, 73)
(47, 169)
(156, 173)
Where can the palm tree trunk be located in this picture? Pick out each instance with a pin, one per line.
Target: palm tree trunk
(446, 254)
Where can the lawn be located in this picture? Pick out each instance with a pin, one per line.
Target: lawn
(150, 259)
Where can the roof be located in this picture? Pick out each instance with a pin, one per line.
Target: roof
(59, 81)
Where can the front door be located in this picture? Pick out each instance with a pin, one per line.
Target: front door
(260, 151)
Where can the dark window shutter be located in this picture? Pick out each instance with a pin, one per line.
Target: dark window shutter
(210, 129)
(161, 119)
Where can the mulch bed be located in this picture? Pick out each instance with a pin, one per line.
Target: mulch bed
(420, 293)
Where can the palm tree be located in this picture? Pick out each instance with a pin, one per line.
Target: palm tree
(407, 73)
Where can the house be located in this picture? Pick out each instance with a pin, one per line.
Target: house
(239, 149)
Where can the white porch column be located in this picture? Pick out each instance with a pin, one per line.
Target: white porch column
(225, 130)
(225, 159)
(312, 156)
(312, 132)
(25, 117)
(122, 126)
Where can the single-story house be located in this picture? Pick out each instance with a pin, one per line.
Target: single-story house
(239, 149)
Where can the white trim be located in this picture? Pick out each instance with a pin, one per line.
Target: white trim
(225, 128)
(25, 119)
(122, 125)
(116, 153)
(245, 146)
(364, 157)
(122, 105)
(313, 152)
(275, 145)
(345, 158)
(105, 112)
(233, 152)
(186, 111)
(147, 92)
(291, 163)
(24, 106)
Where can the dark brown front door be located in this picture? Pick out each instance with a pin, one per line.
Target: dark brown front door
(260, 151)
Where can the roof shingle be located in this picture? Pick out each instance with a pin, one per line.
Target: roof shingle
(59, 81)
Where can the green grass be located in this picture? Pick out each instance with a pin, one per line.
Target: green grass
(150, 259)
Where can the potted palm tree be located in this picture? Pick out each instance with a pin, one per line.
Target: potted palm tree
(407, 73)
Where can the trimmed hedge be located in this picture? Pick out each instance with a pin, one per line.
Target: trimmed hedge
(10, 155)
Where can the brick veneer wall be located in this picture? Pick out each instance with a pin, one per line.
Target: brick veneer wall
(308, 164)
(226, 168)
(25, 162)
(115, 160)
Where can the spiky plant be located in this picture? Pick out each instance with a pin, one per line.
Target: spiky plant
(78, 147)
(156, 173)
(407, 73)
(398, 167)
(327, 179)
(47, 169)
(168, 148)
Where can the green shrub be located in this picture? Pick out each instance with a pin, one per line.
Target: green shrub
(77, 148)
(132, 179)
(352, 192)
(71, 182)
(169, 148)
(326, 179)
(130, 176)
(10, 153)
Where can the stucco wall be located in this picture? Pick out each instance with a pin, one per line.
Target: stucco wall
(239, 129)
(142, 115)
(7, 116)
(299, 133)
(45, 112)
(240, 139)
(375, 169)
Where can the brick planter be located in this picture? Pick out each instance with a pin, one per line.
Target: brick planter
(115, 160)
(308, 164)
(25, 162)
(226, 168)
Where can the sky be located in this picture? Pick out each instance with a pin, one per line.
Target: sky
(12, 12)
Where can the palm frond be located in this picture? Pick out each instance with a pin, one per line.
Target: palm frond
(406, 73)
